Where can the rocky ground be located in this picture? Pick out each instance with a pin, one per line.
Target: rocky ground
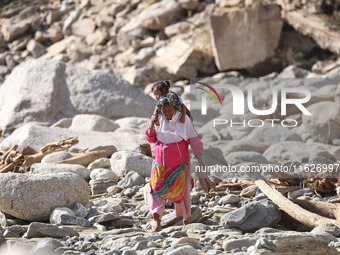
(97, 206)
(93, 200)
(149, 40)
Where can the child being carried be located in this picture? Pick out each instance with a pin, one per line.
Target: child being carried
(162, 89)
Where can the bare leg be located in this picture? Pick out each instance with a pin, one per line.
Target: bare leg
(186, 222)
(157, 220)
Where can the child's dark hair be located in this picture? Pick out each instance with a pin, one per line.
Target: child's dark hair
(163, 86)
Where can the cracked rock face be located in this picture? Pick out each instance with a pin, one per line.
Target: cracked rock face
(33, 197)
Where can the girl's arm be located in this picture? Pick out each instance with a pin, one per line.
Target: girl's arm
(155, 113)
(184, 112)
(150, 133)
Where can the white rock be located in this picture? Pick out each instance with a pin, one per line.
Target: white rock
(131, 179)
(56, 157)
(134, 122)
(57, 48)
(104, 20)
(97, 38)
(54, 217)
(83, 27)
(228, 3)
(231, 244)
(36, 196)
(50, 168)
(123, 162)
(77, 52)
(291, 72)
(26, 136)
(63, 123)
(130, 32)
(100, 163)
(38, 229)
(229, 199)
(36, 48)
(54, 34)
(92, 122)
(183, 250)
(114, 206)
(159, 14)
(73, 17)
(103, 173)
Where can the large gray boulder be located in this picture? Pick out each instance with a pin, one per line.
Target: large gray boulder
(246, 37)
(253, 216)
(45, 90)
(92, 122)
(123, 162)
(33, 197)
(27, 136)
(50, 168)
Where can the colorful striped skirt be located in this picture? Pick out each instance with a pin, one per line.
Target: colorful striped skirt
(169, 182)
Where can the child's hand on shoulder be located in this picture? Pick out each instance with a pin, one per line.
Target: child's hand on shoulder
(155, 120)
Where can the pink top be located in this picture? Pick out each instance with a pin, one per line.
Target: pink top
(172, 139)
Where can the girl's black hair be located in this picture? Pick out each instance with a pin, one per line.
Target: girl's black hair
(163, 86)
